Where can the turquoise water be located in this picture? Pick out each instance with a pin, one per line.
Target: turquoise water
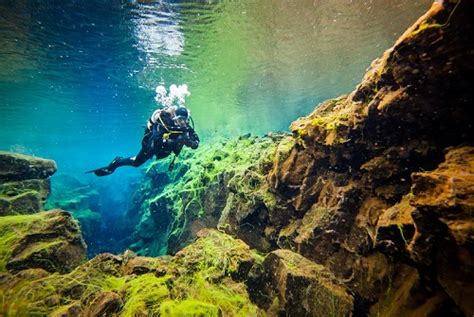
(77, 78)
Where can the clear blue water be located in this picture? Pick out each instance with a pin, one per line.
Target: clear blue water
(78, 78)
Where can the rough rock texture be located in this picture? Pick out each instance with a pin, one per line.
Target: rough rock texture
(289, 284)
(99, 206)
(17, 167)
(203, 279)
(441, 205)
(73, 194)
(24, 183)
(48, 240)
(374, 186)
(224, 186)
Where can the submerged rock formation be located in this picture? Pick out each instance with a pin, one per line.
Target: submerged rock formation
(350, 191)
(82, 201)
(203, 279)
(24, 183)
(48, 240)
(367, 209)
(173, 207)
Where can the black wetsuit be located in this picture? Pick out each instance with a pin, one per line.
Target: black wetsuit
(160, 140)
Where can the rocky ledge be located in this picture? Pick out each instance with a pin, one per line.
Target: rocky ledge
(24, 183)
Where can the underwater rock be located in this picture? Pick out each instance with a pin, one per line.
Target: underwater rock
(97, 207)
(24, 183)
(103, 304)
(203, 279)
(356, 158)
(17, 167)
(407, 296)
(444, 237)
(288, 284)
(82, 200)
(48, 240)
(201, 189)
(433, 226)
(73, 195)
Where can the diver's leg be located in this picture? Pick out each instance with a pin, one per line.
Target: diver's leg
(142, 156)
(134, 161)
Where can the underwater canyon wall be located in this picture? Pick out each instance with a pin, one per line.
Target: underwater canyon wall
(366, 208)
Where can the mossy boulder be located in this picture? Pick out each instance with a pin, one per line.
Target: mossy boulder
(203, 279)
(24, 183)
(48, 240)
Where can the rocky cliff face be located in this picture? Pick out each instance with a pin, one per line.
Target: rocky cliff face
(366, 209)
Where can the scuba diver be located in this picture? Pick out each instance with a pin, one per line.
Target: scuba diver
(167, 131)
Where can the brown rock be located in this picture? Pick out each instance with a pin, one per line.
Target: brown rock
(140, 265)
(23, 197)
(406, 296)
(444, 202)
(303, 288)
(15, 167)
(224, 254)
(51, 240)
(72, 310)
(395, 228)
(103, 304)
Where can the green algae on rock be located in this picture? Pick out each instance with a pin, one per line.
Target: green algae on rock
(286, 281)
(48, 240)
(82, 201)
(24, 183)
(16, 167)
(366, 210)
(203, 279)
(201, 186)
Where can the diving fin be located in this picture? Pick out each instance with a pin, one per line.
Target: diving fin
(103, 171)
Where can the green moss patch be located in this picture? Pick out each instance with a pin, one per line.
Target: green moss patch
(12, 228)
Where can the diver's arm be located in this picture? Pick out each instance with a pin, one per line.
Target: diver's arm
(191, 139)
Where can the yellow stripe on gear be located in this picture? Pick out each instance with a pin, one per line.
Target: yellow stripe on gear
(166, 136)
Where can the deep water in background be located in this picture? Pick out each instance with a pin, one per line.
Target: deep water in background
(77, 78)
